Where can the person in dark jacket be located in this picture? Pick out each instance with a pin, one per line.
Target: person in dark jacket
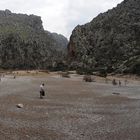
(42, 92)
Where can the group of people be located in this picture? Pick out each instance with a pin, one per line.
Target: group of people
(114, 82)
(3, 75)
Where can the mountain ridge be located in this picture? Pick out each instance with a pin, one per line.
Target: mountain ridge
(24, 44)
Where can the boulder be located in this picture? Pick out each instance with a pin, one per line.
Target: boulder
(19, 105)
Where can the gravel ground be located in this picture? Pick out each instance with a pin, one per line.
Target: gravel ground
(71, 109)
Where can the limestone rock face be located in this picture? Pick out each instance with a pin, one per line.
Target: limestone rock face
(110, 42)
(24, 44)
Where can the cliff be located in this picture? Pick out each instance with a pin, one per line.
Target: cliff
(24, 44)
(110, 42)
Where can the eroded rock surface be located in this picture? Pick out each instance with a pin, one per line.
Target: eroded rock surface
(110, 41)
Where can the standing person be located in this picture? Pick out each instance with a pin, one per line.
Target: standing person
(14, 77)
(114, 82)
(125, 82)
(42, 92)
(119, 83)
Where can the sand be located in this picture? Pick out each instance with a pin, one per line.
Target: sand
(71, 110)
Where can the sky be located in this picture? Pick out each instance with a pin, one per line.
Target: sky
(60, 16)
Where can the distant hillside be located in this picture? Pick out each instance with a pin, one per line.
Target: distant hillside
(60, 40)
(25, 45)
(110, 42)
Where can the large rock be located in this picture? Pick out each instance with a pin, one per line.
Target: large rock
(19, 105)
(110, 42)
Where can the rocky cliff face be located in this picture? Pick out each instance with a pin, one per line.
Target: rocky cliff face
(61, 41)
(25, 45)
(110, 42)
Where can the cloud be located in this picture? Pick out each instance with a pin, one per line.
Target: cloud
(60, 16)
(83, 11)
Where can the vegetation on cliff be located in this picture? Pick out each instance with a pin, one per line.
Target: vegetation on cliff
(110, 42)
(24, 44)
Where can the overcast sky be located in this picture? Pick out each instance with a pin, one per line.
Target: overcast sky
(60, 16)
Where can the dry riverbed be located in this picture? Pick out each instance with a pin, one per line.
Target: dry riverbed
(71, 110)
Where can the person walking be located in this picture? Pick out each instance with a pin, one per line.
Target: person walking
(120, 83)
(114, 82)
(42, 92)
(125, 82)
